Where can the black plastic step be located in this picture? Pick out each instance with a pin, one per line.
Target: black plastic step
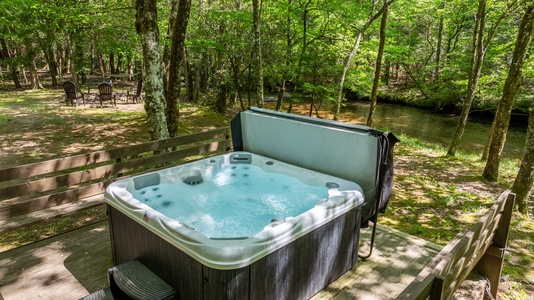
(103, 294)
(136, 281)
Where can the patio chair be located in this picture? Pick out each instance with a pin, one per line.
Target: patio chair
(138, 92)
(71, 95)
(105, 93)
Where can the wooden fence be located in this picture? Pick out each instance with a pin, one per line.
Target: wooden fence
(50, 189)
(480, 248)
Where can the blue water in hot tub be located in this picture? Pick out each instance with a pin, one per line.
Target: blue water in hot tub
(238, 201)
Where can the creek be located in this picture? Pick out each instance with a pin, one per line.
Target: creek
(435, 127)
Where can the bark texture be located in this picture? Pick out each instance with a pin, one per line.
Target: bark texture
(511, 87)
(525, 177)
(372, 17)
(474, 75)
(177, 55)
(374, 92)
(256, 9)
(147, 29)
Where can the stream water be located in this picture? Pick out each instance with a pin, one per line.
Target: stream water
(435, 127)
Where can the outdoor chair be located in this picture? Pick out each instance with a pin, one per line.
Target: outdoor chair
(71, 95)
(105, 93)
(138, 92)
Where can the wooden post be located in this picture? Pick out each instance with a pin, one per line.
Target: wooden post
(490, 264)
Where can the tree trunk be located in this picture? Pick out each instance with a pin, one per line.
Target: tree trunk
(437, 68)
(11, 63)
(287, 64)
(525, 177)
(237, 73)
(167, 46)
(256, 11)
(35, 83)
(177, 57)
(72, 61)
(374, 91)
(118, 68)
(146, 24)
(102, 63)
(196, 91)
(304, 39)
(220, 105)
(475, 69)
(370, 19)
(511, 87)
(188, 75)
(51, 59)
(112, 63)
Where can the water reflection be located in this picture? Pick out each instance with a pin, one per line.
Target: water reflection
(434, 127)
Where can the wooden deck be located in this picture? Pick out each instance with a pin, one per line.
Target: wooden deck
(74, 264)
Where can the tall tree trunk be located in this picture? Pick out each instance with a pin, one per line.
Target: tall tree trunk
(475, 69)
(256, 11)
(304, 39)
(234, 63)
(287, 64)
(102, 64)
(72, 61)
(35, 83)
(374, 91)
(92, 57)
(196, 91)
(112, 63)
(525, 177)
(220, 104)
(146, 24)
(510, 89)
(11, 63)
(167, 46)
(177, 57)
(188, 75)
(437, 68)
(370, 19)
(51, 58)
(118, 68)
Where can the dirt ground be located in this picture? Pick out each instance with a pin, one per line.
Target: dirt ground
(36, 126)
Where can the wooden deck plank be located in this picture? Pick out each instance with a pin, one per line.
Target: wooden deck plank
(395, 262)
(74, 264)
(57, 268)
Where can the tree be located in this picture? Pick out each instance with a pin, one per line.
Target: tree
(256, 12)
(525, 177)
(499, 128)
(479, 50)
(177, 55)
(378, 65)
(370, 19)
(146, 24)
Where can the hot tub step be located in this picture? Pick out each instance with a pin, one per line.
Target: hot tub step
(102, 294)
(136, 281)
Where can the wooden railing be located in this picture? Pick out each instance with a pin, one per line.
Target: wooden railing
(481, 248)
(45, 190)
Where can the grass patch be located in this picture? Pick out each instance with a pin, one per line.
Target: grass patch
(437, 196)
(434, 196)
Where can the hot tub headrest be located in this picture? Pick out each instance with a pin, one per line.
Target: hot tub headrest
(146, 180)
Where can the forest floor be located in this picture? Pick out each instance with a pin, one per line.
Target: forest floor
(434, 196)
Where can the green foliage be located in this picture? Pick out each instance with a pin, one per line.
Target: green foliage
(303, 42)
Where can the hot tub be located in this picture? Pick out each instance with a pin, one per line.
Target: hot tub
(235, 224)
